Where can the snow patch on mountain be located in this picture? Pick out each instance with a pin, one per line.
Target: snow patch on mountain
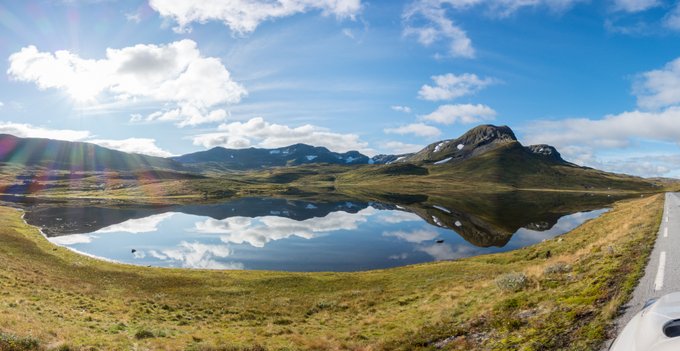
(440, 146)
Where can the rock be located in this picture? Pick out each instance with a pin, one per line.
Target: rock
(546, 151)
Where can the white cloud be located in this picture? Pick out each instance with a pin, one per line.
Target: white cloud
(140, 225)
(133, 145)
(243, 16)
(445, 252)
(415, 236)
(461, 113)
(198, 255)
(635, 5)
(450, 86)
(24, 130)
(652, 165)
(2, 104)
(419, 129)
(613, 131)
(73, 239)
(672, 18)
(659, 88)
(398, 108)
(262, 230)
(135, 17)
(394, 217)
(398, 147)
(176, 74)
(429, 22)
(582, 140)
(260, 133)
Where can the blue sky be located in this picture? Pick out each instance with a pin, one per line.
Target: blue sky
(597, 79)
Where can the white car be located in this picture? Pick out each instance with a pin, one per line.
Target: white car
(655, 328)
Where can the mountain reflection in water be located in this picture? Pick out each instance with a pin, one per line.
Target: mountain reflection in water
(342, 234)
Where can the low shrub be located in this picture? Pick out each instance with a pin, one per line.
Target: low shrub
(512, 282)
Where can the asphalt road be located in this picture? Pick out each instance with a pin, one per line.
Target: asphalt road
(662, 275)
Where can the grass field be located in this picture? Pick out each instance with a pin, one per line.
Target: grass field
(559, 294)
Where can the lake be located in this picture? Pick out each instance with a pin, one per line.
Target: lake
(340, 234)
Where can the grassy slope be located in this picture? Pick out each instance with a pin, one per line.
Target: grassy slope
(504, 168)
(60, 297)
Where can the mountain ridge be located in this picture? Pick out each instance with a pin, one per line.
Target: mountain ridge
(475, 142)
(76, 156)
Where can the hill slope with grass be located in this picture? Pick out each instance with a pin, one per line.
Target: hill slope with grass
(75, 156)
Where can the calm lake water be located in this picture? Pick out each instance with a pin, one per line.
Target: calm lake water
(313, 235)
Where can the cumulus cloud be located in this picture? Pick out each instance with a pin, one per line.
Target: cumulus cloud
(450, 86)
(581, 140)
(394, 217)
(73, 239)
(398, 108)
(652, 165)
(419, 129)
(461, 113)
(659, 88)
(260, 231)
(133, 145)
(176, 74)
(635, 5)
(260, 133)
(140, 225)
(25, 130)
(243, 16)
(415, 236)
(198, 255)
(445, 252)
(613, 131)
(398, 147)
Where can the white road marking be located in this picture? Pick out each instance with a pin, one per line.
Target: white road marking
(665, 232)
(658, 283)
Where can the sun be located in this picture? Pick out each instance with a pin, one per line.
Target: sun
(83, 89)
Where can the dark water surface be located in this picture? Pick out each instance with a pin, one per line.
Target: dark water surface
(340, 234)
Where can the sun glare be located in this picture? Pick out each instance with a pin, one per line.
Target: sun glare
(83, 90)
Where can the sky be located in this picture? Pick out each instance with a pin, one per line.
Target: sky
(599, 80)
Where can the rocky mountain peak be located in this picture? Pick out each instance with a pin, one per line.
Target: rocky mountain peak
(487, 133)
(546, 151)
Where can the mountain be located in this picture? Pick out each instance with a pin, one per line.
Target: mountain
(75, 156)
(255, 158)
(475, 142)
(492, 155)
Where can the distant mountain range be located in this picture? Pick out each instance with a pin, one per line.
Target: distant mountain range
(79, 156)
(475, 142)
(253, 158)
